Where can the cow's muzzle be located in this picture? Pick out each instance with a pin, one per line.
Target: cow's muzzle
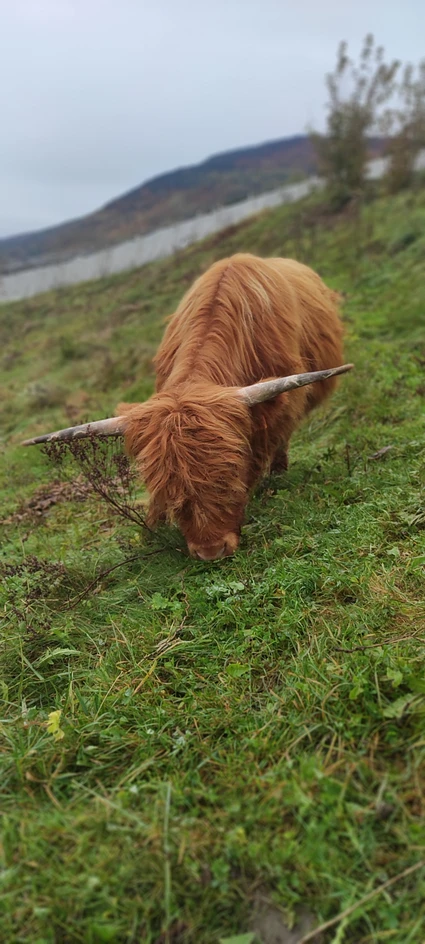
(210, 552)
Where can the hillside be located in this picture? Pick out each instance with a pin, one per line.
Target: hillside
(169, 198)
(240, 742)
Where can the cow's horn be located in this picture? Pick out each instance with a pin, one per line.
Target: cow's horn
(267, 389)
(113, 426)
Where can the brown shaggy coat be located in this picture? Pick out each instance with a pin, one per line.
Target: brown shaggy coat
(199, 448)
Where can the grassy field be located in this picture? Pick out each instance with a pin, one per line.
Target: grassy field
(238, 742)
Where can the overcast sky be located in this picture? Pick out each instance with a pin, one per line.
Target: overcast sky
(97, 96)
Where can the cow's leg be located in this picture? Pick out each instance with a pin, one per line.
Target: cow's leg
(280, 461)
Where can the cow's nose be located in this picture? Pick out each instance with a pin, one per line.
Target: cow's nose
(210, 553)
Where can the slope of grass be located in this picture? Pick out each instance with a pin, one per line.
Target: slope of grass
(231, 733)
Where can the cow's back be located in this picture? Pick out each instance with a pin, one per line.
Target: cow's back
(248, 318)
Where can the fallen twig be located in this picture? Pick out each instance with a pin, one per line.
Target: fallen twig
(362, 901)
(347, 458)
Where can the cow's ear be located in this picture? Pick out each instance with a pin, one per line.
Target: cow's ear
(136, 417)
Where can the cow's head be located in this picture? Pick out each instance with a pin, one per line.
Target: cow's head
(192, 447)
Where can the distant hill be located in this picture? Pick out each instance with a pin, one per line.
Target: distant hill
(178, 195)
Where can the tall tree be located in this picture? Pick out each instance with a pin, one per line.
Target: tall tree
(357, 94)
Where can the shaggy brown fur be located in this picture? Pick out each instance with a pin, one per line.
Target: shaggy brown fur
(200, 450)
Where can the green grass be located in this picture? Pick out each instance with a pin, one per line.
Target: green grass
(254, 726)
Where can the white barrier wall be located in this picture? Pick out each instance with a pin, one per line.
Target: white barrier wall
(136, 252)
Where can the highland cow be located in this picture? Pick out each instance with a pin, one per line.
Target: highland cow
(253, 346)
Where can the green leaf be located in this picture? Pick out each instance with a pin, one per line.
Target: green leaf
(355, 692)
(417, 563)
(236, 669)
(395, 676)
(400, 706)
(55, 653)
(231, 588)
(158, 602)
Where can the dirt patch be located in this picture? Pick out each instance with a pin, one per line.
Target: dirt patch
(269, 926)
(47, 496)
